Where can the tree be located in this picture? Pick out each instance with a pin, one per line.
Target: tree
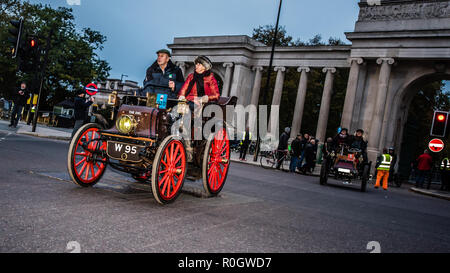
(73, 60)
(316, 79)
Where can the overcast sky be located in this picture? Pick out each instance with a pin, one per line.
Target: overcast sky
(135, 29)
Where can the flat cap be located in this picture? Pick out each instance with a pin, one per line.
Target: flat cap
(163, 51)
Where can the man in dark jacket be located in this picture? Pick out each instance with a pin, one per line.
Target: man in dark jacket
(282, 146)
(296, 149)
(20, 99)
(163, 72)
(310, 156)
(81, 107)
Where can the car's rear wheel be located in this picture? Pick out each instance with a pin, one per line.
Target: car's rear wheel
(86, 168)
(216, 162)
(169, 170)
(324, 172)
(365, 177)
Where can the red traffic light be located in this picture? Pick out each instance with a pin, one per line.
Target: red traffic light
(441, 117)
(32, 43)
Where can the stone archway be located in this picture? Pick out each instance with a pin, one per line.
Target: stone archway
(401, 102)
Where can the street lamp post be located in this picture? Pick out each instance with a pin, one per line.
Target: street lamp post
(266, 87)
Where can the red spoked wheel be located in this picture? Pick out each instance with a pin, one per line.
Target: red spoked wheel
(169, 170)
(216, 161)
(83, 165)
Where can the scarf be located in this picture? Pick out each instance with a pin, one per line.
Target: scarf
(198, 80)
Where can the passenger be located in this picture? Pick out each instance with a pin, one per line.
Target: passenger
(201, 86)
(357, 142)
(165, 73)
(342, 138)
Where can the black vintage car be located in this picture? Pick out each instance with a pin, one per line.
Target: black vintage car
(140, 143)
(346, 164)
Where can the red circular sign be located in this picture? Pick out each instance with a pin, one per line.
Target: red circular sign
(91, 89)
(436, 145)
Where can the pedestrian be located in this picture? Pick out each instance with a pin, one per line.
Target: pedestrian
(19, 99)
(245, 142)
(310, 156)
(383, 166)
(306, 138)
(328, 147)
(445, 174)
(296, 150)
(163, 72)
(424, 165)
(81, 106)
(391, 151)
(282, 146)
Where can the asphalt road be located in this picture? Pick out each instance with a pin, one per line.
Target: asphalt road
(258, 211)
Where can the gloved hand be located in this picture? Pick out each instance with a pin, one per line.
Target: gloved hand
(181, 98)
(205, 99)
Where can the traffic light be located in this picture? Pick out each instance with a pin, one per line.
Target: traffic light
(439, 125)
(29, 59)
(16, 32)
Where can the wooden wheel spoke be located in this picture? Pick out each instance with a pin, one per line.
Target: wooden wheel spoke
(82, 168)
(87, 172)
(92, 170)
(81, 161)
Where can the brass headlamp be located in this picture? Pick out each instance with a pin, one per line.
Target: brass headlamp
(126, 124)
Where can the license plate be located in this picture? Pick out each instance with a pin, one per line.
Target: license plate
(124, 151)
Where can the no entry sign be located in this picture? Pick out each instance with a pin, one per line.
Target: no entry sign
(91, 89)
(436, 145)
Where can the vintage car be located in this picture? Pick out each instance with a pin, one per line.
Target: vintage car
(140, 143)
(345, 164)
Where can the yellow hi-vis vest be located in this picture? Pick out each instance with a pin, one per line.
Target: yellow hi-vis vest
(445, 164)
(385, 163)
(243, 137)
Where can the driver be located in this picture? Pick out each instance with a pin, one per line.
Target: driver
(163, 72)
(201, 86)
(357, 142)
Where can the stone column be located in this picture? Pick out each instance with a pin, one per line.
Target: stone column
(278, 90)
(276, 99)
(255, 94)
(182, 66)
(380, 103)
(350, 94)
(256, 85)
(227, 80)
(325, 104)
(300, 101)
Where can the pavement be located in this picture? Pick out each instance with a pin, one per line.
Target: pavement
(259, 210)
(41, 131)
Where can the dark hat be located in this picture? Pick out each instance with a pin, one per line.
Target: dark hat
(360, 130)
(204, 61)
(163, 51)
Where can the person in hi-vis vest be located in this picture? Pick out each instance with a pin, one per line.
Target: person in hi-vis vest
(383, 166)
(245, 142)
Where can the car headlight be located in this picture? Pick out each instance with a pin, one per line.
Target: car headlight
(126, 124)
